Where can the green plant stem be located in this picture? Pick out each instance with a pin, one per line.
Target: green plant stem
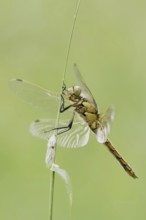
(52, 179)
(52, 182)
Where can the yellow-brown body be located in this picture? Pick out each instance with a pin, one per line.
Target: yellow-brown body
(89, 113)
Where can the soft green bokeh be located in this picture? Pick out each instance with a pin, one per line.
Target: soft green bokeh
(109, 46)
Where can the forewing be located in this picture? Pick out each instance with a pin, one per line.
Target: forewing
(33, 94)
(77, 136)
(105, 122)
(85, 90)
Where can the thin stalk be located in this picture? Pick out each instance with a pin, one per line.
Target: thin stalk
(52, 182)
(70, 39)
(52, 175)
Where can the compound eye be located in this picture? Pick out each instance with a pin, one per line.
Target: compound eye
(77, 91)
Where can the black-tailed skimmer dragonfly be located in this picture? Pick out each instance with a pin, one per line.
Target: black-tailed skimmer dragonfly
(76, 132)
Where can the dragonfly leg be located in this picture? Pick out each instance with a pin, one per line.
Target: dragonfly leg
(62, 107)
(63, 87)
(65, 128)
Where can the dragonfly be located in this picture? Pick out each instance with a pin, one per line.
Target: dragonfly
(85, 115)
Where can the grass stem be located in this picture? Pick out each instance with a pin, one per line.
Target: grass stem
(52, 182)
(52, 179)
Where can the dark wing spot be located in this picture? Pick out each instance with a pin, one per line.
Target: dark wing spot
(37, 120)
(19, 80)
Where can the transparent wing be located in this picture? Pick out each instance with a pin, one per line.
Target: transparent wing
(105, 123)
(77, 136)
(85, 90)
(33, 94)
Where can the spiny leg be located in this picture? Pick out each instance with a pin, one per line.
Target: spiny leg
(65, 128)
(63, 87)
(62, 107)
(124, 164)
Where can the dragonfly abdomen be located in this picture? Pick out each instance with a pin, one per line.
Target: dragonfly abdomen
(124, 164)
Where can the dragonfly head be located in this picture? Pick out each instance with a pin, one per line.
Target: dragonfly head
(72, 93)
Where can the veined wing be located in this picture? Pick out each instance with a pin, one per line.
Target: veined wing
(85, 90)
(105, 121)
(77, 136)
(33, 94)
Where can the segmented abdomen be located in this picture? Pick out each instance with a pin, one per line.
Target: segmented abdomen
(124, 164)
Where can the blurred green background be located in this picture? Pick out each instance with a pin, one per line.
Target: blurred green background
(109, 46)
